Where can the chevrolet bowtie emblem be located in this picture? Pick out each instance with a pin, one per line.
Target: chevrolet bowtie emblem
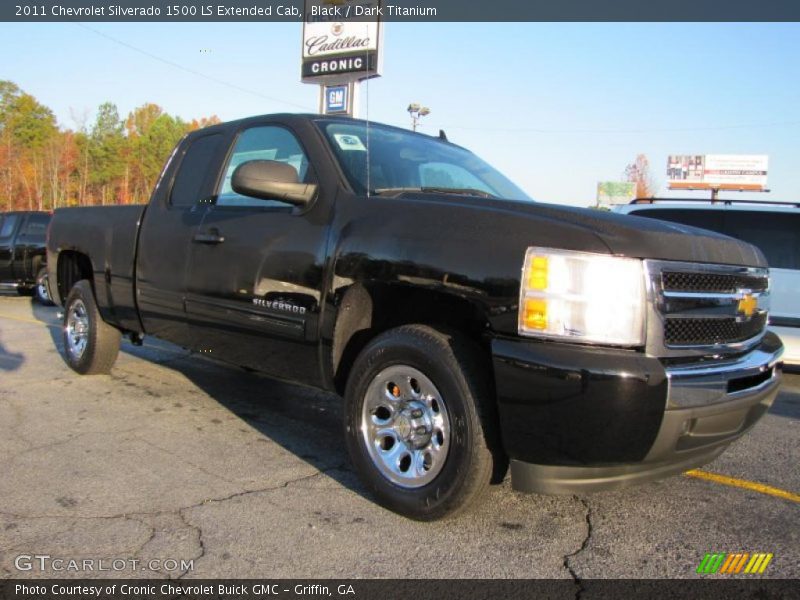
(747, 305)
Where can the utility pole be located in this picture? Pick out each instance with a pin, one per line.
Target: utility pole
(417, 112)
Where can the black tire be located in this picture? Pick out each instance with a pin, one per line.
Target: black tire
(102, 341)
(41, 291)
(460, 374)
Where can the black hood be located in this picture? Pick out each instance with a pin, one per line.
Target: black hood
(641, 237)
(636, 237)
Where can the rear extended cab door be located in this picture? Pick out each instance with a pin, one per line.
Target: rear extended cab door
(170, 223)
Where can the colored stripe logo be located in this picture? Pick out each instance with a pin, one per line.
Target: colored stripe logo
(726, 563)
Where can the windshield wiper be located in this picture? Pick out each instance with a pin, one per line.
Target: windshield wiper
(436, 190)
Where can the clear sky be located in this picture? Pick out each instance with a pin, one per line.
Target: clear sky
(557, 107)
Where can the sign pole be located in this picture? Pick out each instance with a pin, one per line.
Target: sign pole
(355, 95)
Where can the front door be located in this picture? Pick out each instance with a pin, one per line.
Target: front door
(256, 270)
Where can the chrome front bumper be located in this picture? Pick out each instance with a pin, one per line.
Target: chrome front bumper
(709, 405)
(706, 384)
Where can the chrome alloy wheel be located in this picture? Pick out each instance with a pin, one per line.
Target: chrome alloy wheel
(405, 426)
(41, 288)
(77, 329)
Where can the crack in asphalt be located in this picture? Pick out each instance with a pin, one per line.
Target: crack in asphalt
(200, 541)
(181, 512)
(150, 538)
(568, 557)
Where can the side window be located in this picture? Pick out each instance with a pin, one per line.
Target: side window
(194, 169)
(36, 226)
(777, 234)
(447, 175)
(7, 226)
(262, 143)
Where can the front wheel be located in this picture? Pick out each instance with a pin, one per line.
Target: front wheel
(419, 422)
(42, 292)
(90, 344)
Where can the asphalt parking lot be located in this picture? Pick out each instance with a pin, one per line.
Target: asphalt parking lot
(173, 457)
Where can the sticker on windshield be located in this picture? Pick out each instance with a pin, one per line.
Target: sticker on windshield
(348, 141)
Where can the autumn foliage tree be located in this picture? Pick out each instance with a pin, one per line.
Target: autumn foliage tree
(639, 173)
(114, 160)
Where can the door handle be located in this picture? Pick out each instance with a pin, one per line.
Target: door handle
(212, 236)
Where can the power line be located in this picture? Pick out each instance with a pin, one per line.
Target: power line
(615, 131)
(543, 131)
(192, 71)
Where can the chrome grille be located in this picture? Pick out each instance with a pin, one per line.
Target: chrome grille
(698, 308)
(695, 332)
(718, 283)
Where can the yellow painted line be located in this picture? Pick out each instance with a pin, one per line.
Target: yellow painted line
(745, 485)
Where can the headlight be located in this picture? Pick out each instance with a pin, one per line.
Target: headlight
(582, 297)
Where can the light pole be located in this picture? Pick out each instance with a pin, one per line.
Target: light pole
(417, 112)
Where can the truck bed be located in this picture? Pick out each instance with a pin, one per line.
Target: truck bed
(107, 234)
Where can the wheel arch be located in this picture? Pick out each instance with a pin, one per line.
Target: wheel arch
(71, 267)
(365, 310)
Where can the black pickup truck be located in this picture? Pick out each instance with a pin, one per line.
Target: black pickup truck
(23, 252)
(465, 325)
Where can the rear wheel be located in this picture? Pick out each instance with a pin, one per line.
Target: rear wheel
(90, 344)
(418, 422)
(42, 292)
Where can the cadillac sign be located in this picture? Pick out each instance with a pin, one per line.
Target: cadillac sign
(341, 40)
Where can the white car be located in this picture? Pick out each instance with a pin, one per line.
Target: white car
(772, 226)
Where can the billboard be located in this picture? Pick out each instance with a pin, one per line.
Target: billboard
(341, 40)
(718, 171)
(615, 192)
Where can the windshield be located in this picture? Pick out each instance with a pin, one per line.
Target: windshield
(404, 161)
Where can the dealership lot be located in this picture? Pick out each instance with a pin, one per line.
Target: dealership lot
(176, 458)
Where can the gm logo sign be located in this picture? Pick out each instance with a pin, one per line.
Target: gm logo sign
(336, 99)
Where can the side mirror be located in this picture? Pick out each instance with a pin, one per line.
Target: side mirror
(271, 180)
